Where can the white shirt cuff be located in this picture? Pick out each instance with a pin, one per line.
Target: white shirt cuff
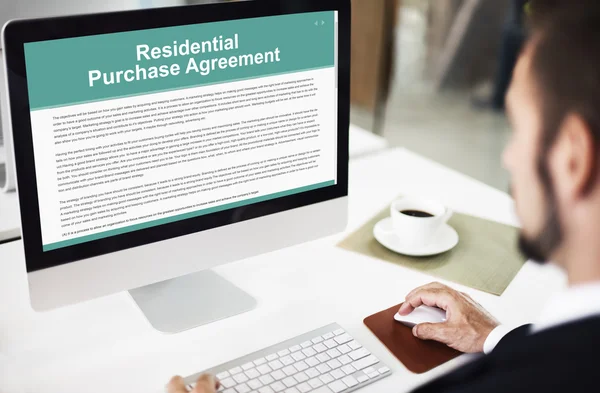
(495, 336)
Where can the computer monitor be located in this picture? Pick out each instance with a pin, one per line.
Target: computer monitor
(153, 145)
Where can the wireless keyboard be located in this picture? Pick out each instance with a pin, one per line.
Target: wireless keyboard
(326, 360)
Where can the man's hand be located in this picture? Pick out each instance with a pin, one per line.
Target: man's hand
(467, 324)
(205, 384)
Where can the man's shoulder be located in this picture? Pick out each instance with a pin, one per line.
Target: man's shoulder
(553, 360)
(565, 346)
(578, 334)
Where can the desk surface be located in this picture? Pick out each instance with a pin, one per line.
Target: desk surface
(362, 143)
(106, 345)
(10, 219)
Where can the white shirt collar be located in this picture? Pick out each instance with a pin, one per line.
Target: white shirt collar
(574, 303)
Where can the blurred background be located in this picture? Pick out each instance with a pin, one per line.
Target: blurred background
(428, 75)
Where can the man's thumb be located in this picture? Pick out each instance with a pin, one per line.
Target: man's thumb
(426, 331)
(206, 384)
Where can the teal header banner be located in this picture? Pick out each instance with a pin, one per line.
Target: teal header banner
(93, 68)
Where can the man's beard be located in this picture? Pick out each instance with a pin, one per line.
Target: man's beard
(541, 248)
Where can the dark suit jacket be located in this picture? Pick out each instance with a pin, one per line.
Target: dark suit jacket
(560, 359)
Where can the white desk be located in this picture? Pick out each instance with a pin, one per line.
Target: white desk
(10, 219)
(106, 345)
(362, 143)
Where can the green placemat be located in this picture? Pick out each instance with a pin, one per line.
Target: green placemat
(486, 257)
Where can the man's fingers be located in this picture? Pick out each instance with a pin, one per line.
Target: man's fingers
(432, 331)
(434, 287)
(439, 298)
(176, 385)
(206, 384)
(431, 285)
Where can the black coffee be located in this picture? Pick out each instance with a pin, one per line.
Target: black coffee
(416, 213)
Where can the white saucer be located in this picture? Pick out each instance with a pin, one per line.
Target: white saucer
(445, 240)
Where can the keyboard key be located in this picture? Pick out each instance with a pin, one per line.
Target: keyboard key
(337, 386)
(330, 344)
(292, 390)
(287, 360)
(365, 362)
(343, 339)
(264, 369)
(326, 378)
(338, 374)
(369, 370)
(362, 378)
(338, 332)
(248, 366)
(243, 388)
(306, 344)
(295, 348)
(275, 364)
(373, 374)
(228, 382)
(345, 359)
(354, 344)
(309, 352)
(252, 373)
(265, 389)
(312, 372)
(230, 390)
(320, 348)
(344, 349)
(304, 387)
(317, 340)
(359, 353)
(255, 384)
(222, 375)
(333, 353)
(240, 378)
(327, 336)
(260, 361)
(283, 353)
(289, 382)
(289, 370)
(348, 369)
(298, 356)
(350, 381)
(383, 370)
(278, 387)
(235, 370)
(334, 363)
(323, 357)
(315, 383)
(301, 377)
(277, 375)
(266, 379)
(301, 365)
(323, 368)
(312, 361)
(271, 357)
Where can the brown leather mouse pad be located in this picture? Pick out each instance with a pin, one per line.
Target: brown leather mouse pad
(417, 355)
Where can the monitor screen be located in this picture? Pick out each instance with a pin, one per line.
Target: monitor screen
(138, 129)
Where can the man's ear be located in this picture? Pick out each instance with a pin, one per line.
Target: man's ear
(574, 158)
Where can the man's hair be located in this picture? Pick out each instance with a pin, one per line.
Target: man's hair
(566, 63)
(565, 68)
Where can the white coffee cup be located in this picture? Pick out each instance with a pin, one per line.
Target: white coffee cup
(418, 231)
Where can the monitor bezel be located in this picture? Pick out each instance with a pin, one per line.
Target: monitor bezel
(18, 33)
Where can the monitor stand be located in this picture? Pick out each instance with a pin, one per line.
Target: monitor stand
(186, 302)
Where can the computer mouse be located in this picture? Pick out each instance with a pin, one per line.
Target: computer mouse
(422, 314)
